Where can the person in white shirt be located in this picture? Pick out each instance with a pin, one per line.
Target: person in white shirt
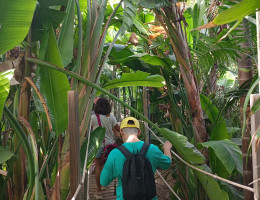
(104, 118)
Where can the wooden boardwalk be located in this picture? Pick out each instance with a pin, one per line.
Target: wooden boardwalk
(108, 192)
(163, 193)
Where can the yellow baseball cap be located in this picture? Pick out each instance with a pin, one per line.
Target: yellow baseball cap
(134, 123)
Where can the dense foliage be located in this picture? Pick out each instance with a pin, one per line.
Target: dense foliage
(153, 59)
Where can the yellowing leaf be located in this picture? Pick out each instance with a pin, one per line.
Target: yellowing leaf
(208, 25)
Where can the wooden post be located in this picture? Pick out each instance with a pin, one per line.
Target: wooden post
(74, 140)
(255, 123)
(258, 42)
(145, 109)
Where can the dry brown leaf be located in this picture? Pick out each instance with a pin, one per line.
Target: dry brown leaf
(133, 39)
(208, 25)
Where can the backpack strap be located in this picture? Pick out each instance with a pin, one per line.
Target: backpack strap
(125, 151)
(98, 119)
(144, 149)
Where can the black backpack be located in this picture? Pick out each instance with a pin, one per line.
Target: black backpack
(138, 178)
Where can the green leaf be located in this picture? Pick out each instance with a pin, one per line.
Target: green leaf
(219, 131)
(247, 99)
(129, 14)
(141, 61)
(184, 148)
(5, 154)
(210, 185)
(52, 84)
(83, 5)
(96, 139)
(217, 166)
(254, 108)
(227, 80)
(135, 79)
(154, 3)
(140, 27)
(238, 11)
(145, 17)
(228, 153)
(66, 37)
(232, 130)
(15, 20)
(47, 11)
(193, 156)
(5, 78)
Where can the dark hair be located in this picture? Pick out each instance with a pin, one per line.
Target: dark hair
(102, 107)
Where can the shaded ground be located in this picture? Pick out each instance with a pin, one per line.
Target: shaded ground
(163, 192)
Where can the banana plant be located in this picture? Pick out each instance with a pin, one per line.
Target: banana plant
(187, 150)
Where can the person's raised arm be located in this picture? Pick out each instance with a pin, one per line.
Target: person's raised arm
(167, 149)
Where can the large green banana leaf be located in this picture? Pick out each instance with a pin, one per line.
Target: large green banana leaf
(219, 131)
(5, 78)
(187, 150)
(138, 78)
(96, 138)
(143, 61)
(193, 156)
(47, 11)
(150, 59)
(52, 84)
(235, 13)
(5, 154)
(66, 37)
(228, 153)
(210, 185)
(15, 20)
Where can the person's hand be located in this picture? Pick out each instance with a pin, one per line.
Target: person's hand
(167, 145)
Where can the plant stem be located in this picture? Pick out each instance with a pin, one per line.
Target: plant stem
(25, 144)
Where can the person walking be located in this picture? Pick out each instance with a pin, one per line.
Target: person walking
(134, 164)
(104, 118)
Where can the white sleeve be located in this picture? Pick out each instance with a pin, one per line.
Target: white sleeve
(113, 121)
(91, 121)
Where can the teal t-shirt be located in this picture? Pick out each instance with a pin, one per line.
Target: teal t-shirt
(115, 162)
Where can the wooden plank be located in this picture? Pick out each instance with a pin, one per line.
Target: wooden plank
(74, 138)
(108, 192)
(255, 123)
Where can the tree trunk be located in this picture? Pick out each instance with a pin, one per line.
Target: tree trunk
(245, 75)
(172, 25)
(19, 176)
(212, 80)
